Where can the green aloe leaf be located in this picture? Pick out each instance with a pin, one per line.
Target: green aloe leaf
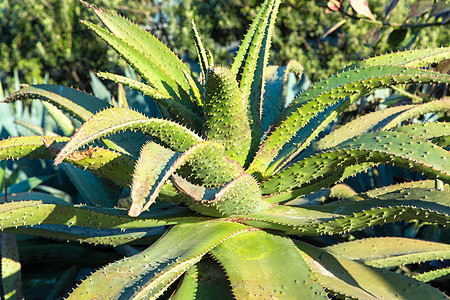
(225, 109)
(431, 184)
(152, 170)
(410, 58)
(154, 269)
(375, 147)
(387, 252)
(316, 185)
(362, 212)
(250, 63)
(350, 278)
(47, 211)
(109, 164)
(119, 119)
(188, 286)
(330, 91)
(254, 272)
(178, 109)
(144, 65)
(241, 196)
(42, 215)
(432, 275)
(204, 58)
(10, 267)
(60, 118)
(204, 163)
(437, 132)
(77, 103)
(384, 119)
(36, 130)
(255, 30)
(150, 47)
(362, 124)
(93, 236)
(442, 105)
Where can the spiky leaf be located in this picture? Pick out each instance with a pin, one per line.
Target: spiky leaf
(250, 63)
(254, 272)
(432, 208)
(150, 174)
(112, 165)
(77, 103)
(149, 273)
(352, 84)
(226, 109)
(409, 58)
(377, 147)
(353, 279)
(176, 108)
(387, 252)
(241, 196)
(118, 119)
(380, 120)
(149, 46)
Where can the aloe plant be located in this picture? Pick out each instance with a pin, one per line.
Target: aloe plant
(222, 172)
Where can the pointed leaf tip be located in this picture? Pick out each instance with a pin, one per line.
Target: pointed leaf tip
(135, 210)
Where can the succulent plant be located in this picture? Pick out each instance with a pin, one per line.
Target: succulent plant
(221, 175)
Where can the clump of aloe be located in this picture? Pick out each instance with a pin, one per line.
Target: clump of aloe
(223, 171)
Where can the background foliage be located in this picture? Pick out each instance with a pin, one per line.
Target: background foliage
(49, 38)
(299, 31)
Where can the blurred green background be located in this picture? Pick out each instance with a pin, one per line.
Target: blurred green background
(39, 37)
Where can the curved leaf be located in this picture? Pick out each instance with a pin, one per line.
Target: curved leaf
(353, 279)
(428, 131)
(144, 65)
(384, 252)
(188, 286)
(204, 59)
(176, 108)
(152, 170)
(432, 275)
(225, 109)
(375, 147)
(272, 270)
(77, 103)
(402, 187)
(204, 163)
(442, 105)
(44, 216)
(149, 273)
(34, 212)
(240, 196)
(147, 44)
(350, 83)
(432, 208)
(118, 119)
(115, 166)
(11, 267)
(384, 119)
(410, 58)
